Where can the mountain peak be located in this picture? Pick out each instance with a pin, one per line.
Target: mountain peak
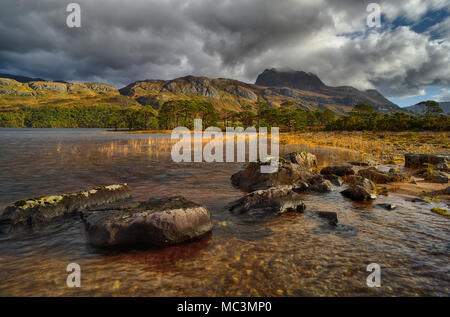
(293, 79)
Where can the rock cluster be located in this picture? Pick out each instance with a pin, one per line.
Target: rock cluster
(293, 168)
(113, 219)
(39, 211)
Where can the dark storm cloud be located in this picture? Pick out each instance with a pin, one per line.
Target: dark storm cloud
(120, 42)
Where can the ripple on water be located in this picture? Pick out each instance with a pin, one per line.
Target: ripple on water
(290, 255)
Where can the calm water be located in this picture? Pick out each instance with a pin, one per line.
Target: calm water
(291, 255)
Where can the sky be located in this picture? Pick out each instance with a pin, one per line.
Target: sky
(406, 58)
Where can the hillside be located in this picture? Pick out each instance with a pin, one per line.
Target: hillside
(295, 82)
(15, 94)
(302, 89)
(274, 87)
(419, 109)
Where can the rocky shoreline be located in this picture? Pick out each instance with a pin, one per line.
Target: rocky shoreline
(112, 218)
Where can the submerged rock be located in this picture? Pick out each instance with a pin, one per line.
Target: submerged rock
(364, 190)
(293, 168)
(339, 170)
(38, 211)
(331, 216)
(380, 177)
(158, 222)
(387, 206)
(418, 160)
(276, 200)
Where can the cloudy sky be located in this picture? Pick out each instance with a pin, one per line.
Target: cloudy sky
(119, 42)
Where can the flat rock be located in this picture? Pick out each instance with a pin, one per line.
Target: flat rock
(418, 160)
(339, 170)
(40, 211)
(275, 200)
(380, 177)
(157, 222)
(331, 216)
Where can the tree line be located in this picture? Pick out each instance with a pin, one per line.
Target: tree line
(364, 117)
(175, 113)
(81, 117)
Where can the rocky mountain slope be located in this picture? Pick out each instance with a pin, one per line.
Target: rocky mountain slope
(343, 95)
(302, 89)
(274, 87)
(15, 94)
(419, 109)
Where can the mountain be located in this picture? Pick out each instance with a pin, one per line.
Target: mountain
(301, 89)
(344, 95)
(274, 87)
(15, 94)
(419, 109)
(21, 79)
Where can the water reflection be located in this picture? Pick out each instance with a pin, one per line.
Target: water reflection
(290, 255)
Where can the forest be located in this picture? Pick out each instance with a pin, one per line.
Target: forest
(174, 113)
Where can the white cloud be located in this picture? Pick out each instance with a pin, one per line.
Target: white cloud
(151, 39)
(444, 95)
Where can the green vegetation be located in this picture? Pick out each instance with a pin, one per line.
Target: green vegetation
(365, 118)
(440, 211)
(80, 117)
(175, 113)
(179, 112)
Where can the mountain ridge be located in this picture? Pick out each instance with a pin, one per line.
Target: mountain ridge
(305, 90)
(347, 95)
(419, 109)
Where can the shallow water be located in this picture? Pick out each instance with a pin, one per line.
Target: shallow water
(291, 255)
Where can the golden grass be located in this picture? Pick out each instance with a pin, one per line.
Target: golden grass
(383, 147)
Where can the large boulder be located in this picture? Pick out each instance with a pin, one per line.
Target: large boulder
(319, 184)
(339, 170)
(39, 211)
(364, 190)
(418, 160)
(380, 177)
(304, 159)
(295, 167)
(157, 222)
(276, 200)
